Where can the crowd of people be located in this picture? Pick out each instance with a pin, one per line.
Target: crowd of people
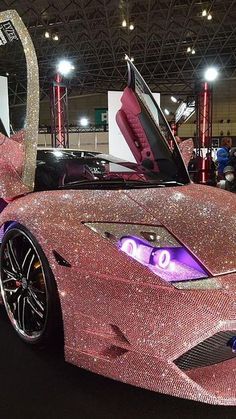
(226, 157)
(222, 171)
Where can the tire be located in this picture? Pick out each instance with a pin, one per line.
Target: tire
(29, 290)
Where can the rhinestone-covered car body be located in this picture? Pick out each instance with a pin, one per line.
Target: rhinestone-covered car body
(121, 319)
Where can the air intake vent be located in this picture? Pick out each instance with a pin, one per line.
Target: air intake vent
(209, 352)
(60, 260)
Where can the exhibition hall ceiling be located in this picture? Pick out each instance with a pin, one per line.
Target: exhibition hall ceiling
(171, 42)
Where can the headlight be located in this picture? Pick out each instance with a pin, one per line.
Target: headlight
(155, 248)
(172, 264)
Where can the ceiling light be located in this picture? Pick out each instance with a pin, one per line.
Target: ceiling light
(64, 67)
(131, 27)
(126, 57)
(55, 38)
(209, 17)
(47, 34)
(211, 74)
(189, 49)
(167, 112)
(173, 99)
(193, 51)
(84, 122)
(204, 12)
(132, 59)
(124, 23)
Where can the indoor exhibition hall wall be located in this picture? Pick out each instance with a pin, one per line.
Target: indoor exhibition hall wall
(91, 141)
(219, 129)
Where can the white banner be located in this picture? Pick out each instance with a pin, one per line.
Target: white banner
(4, 105)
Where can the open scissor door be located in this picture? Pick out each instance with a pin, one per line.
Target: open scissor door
(147, 132)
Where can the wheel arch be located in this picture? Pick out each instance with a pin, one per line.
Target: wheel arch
(6, 226)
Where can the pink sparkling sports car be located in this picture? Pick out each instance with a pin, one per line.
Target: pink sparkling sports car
(128, 263)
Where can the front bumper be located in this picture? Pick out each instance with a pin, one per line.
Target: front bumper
(136, 332)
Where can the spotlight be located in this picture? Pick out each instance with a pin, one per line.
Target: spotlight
(211, 74)
(64, 67)
(209, 17)
(131, 27)
(124, 23)
(84, 122)
(193, 51)
(173, 99)
(132, 59)
(126, 57)
(167, 112)
(189, 49)
(204, 12)
(55, 38)
(47, 34)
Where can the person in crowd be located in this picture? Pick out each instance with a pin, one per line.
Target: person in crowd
(229, 183)
(193, 167)
(223, 156)
(211, 166)
(232, 158)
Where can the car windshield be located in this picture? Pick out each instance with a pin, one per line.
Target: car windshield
(72, 169)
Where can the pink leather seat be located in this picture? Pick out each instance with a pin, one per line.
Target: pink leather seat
(128, 120)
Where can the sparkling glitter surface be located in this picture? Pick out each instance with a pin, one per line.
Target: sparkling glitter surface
(12, 151)
(120, 319)
(11, 183)
(32, 110)
(11, 165)
(186, 149)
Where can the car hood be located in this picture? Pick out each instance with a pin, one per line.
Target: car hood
(202, 218)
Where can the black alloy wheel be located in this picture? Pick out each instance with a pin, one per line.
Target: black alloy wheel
(28, 288)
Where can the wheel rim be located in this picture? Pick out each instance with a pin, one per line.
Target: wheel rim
(23, 285)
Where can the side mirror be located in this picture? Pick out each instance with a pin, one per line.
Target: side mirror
(11, 166)
(10, 182)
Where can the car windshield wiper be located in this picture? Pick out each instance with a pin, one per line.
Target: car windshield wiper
(119, 183)
(171, 183)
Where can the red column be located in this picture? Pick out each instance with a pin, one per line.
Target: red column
(59, 114)
(204, 129)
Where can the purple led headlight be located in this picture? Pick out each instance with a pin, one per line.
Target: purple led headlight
(162, 258)
(171, 264)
